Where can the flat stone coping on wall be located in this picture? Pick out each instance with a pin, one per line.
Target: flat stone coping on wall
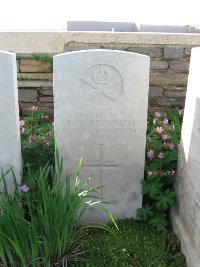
(54, 42)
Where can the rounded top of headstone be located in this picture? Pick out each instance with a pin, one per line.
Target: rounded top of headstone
(103, 51)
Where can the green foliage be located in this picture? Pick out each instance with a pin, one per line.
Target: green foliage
(158, 220)
(138, 245)
(43, 58)
(145, 213)
(24, 78)
(37, 138)
(152, 187)
(41, 226)
(165, 200)
(163, 137)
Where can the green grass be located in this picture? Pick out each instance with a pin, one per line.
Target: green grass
(43, 58)
(139, 245)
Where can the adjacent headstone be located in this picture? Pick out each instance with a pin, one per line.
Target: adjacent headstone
(10, 146)
(101, 115)
(186, 215)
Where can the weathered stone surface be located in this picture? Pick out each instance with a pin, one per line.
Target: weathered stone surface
(177, 88)
(149, 51)
(152, 110)
(46, 99)
(54, 42)
(35, 76)
(30, 65)
(24, 55)
(164, 79)
(26, 95)
(73, 46)
(174, 93)
(100, 108)
(155, 91)
(173, 52)
(179, 65)
(45, 104)
(47, 92)
(35, 84)
(167, 101)
(27, 105)
(186, 215)
(10, 145)
(49, 110)
(24, 111)
(159, 65)
(48, 107)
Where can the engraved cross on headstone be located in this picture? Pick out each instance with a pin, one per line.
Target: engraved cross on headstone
(100, 165)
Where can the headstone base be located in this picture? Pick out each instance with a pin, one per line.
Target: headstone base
(187, 246)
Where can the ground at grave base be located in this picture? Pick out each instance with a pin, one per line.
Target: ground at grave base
(137, 245)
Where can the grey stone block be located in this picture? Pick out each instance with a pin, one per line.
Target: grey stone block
(155, 91)
(180, 65)
(173, 52)
(35, 84)
(159, 65)
(149, 51)
(26, 95)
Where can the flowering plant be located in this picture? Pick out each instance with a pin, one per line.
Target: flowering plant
(163, 137)
(37, 138)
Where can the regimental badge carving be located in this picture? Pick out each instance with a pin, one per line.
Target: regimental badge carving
(101, 85)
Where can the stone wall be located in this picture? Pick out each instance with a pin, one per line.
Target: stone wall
(35, 82)
(170, 56)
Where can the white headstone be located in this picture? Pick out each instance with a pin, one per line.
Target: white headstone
(186, 215)
(10, 145)
(100, 105)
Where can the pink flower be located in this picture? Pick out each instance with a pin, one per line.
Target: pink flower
(159, 130)
(21, 123)
(161, 155)
(157, 115)
(171, 173)
(24, 188)
(150, 173)
(165, 137)
(170, 146)
(166, 121)
(31, 138)
(150, 154)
